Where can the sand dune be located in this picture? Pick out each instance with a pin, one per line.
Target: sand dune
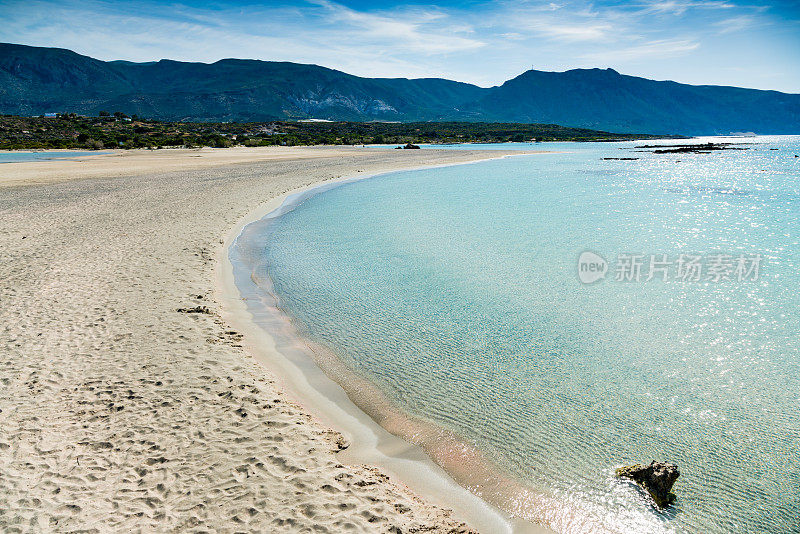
(127, 402)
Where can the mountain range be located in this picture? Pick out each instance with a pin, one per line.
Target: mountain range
(36, 80)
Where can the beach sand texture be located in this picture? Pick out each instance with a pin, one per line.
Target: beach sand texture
(122, 413)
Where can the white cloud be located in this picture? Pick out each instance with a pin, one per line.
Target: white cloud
(571, 32)
(679, 7)
(735, 24)
(420, 31)
(653, 50)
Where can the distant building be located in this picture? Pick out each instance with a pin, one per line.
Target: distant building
(51, 115)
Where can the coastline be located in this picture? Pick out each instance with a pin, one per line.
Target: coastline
(118, 162)
(123, 408)
(378, 433)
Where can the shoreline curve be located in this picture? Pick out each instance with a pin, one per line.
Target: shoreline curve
(370, 443)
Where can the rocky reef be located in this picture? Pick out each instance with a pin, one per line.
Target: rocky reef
(704, 148)
(657, 478)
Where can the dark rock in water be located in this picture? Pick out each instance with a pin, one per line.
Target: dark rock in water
(705, 148)
(409, 145)
(657, 478)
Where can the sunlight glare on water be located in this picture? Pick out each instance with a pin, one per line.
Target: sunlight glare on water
(455, 291)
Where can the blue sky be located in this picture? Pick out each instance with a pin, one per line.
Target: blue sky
(727, 42)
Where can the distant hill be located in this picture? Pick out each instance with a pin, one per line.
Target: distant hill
(37, 80)
(607, 100)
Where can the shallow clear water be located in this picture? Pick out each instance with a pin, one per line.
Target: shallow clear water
(13, 157)
(456, 291)
(493, 146)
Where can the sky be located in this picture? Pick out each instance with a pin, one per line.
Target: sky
(722, 42)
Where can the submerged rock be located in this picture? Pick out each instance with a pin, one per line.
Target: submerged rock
(704, 148)
(657, 478)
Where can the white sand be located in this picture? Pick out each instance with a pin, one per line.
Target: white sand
(121, 413)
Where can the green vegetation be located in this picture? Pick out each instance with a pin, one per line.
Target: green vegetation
(117, 130)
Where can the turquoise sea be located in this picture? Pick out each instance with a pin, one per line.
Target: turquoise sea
(456, 292)
(13, 157)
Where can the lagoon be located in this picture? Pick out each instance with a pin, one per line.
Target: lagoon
(456, 292)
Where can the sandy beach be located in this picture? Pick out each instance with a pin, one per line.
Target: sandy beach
(128, 400)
